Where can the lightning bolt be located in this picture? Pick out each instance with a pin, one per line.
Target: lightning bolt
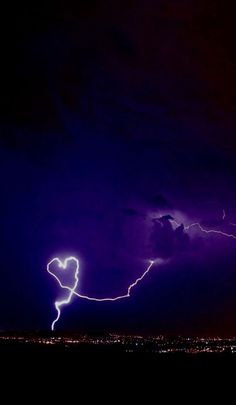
(72, 290)
(224, 216)
(199, 226)
(63, 264)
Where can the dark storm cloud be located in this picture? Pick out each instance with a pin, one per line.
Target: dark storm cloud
(115, 114)
(166, 241)
(159, 201)
(121, 42)
(131, 212)
(168, 88)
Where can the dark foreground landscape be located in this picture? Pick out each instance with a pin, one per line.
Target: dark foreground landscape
(116, 367)
(111, 350)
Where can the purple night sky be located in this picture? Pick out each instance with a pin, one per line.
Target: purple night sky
(114, 114)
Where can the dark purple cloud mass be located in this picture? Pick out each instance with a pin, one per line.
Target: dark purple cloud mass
(118, 118)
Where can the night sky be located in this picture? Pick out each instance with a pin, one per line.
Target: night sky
(114, 113)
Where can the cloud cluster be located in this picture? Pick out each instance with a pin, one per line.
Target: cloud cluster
(165, 241)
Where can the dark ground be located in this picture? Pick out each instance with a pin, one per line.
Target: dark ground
(95, 357)
(94, 373)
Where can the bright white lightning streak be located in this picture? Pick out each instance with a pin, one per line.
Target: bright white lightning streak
(63, 264)
(196, 224)
(119, 297)
(59, 304)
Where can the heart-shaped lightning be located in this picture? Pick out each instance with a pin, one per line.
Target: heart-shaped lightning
(63, 265)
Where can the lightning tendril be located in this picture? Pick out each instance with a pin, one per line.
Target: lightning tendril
(63, 264)
(72, 290)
